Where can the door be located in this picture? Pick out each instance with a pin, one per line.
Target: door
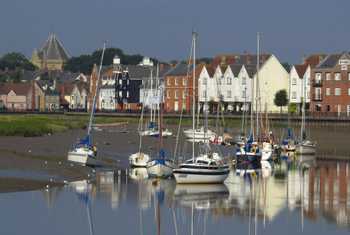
(176, 106)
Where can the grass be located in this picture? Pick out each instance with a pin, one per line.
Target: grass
(37, 125)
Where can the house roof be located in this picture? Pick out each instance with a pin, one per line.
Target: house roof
(235, 68)
(240, 59)
(251, 70)
(314, 59)
(61, 76)
(18, 88)
(210, 69)
(301, 69)
(53, 49)
(180, 69)
(330, 61)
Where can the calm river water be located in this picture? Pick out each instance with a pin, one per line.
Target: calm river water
(296, 195)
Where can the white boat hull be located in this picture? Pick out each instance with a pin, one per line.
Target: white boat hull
(200, 176)
(306, 149)
(159, 170)
(139, 160)
(81, 156)
(199, 135)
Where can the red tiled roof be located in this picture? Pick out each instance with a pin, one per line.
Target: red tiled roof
(18, 88)
(314, 60)
(301, 69)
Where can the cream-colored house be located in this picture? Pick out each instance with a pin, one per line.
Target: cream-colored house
(272, 77)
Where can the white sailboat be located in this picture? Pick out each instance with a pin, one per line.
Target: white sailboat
(84, 152)
(304, 147)
(207, 167)
(160, 166)
(153, 97)
(139, 159)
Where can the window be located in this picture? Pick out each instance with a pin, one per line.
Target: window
(168, 94)
(348, 110)
(229, 94)
(184, 82)
(229, 80)
(244, 94)
(337, 91)
(204, 81)
(348, 91)
(184, 94)
(349, 76)
(318, 78)
(127, 94)
(337, 77)
(244, 81)
(219, 81)
(120, 94)
(176, 82)
(318, 107)
(294, 81)
(328, 108)
(294, 95)
(168, 82)
(205, 94)
(176, 94)
(120, 82)
(328, 91)
(328, 76)
(318, 93)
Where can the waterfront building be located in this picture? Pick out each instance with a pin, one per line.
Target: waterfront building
(178, 84)
(299, 80)
(330, 82)
(51, 56)
(22, 96)
(73, 95)
(235, 76)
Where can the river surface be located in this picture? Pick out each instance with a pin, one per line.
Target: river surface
(292, 195)
(296, 195)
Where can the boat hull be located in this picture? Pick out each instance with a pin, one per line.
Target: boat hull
(306, 149)
(138, 160)
(200, 176)
(160, 168)
(81, 158)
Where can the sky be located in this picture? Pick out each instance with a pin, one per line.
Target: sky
(162, 28)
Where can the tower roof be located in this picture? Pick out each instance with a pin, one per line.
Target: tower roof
(53, 49)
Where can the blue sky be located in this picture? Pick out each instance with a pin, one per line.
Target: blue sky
(162, 28)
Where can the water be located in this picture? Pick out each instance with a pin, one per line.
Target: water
(300, 195)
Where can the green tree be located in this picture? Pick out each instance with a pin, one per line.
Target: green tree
(84, 63)
(15, 61)
(281, 99)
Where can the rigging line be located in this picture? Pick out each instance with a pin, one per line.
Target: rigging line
(96, 90)
(182, 110)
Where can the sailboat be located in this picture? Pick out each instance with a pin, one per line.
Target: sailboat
(160, 166)
(84, 152)
(208, 166)
(139, 159)
(153, 127)
(249, 150)
(305, 146)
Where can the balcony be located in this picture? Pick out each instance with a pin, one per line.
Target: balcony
(317, 98)
(317, 83)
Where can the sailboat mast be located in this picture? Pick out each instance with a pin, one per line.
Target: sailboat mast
(151, 95)
(257, 86)
(96, 91)
(194, 35)
(302, 112)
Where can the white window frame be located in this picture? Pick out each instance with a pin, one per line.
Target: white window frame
(244, 80)
(337, 91)
(294, 95)
(328, 91)
(328, 76)
(168, 82)
(184, 94)
(349, 91)
(205, 81)
(184, 81)
(337, 76)
(176, 82)
(229, 80)
(294, 81)
(176, 94)
(229, 94)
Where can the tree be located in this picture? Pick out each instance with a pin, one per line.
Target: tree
(281, 99)
(84, 63)
(15, 61)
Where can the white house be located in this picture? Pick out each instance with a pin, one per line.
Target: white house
(273, 77)
(299, 83)
(107, 93)
(208, 84)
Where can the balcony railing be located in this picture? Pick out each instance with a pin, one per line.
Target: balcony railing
(317, 83)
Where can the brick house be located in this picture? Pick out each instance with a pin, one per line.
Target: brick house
(178, 83)
(330, 85)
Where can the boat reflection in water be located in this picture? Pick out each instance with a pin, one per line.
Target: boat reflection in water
(303, 186)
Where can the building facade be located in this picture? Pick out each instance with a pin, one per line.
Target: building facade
(330, 85)
(51, 56)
